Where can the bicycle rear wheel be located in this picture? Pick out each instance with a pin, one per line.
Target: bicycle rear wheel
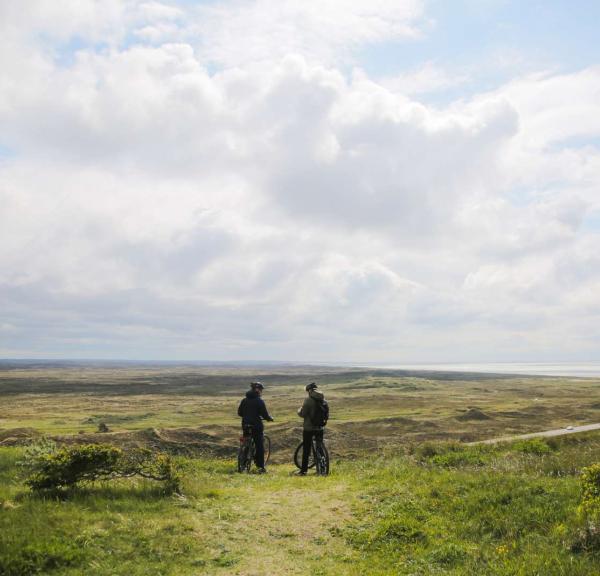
(267, 445)
(322, 459)
(298, 456)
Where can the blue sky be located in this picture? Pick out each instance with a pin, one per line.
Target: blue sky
(536, 34)
(493, 41)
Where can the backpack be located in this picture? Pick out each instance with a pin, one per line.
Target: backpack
(322, 413)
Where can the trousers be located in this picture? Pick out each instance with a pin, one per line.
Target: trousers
(257, 436)
(307, 438)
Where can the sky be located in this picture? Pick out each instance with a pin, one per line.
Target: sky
(386, 181)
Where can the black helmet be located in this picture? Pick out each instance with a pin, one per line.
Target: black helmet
(311, 386)
(257, 386)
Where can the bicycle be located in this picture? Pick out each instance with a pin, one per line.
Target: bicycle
(247, 450)
(318, 456)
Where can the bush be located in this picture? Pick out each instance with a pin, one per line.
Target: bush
(588, 537)
(590, 486)
(535, 446)
(47, 467)
(452, 454)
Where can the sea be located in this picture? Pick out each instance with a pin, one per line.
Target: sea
(581, 370)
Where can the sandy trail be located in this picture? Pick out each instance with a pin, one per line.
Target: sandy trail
(545, 434)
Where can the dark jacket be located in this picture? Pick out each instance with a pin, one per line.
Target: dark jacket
(253, 410)
(310, 410)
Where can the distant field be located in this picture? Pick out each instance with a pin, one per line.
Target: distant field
(370, 408)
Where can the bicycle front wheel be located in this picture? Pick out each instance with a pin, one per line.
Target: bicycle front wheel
(322, 459)
(298, 456)
(267, 445)
(243, 460)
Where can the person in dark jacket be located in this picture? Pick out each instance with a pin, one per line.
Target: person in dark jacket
(312, 413)
(253, 410)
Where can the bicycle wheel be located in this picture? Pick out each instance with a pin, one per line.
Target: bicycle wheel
(267, 445)
(243, 460)
(322, 459)
(251, 453)
(298, 456)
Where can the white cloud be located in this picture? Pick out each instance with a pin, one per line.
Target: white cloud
(237, 32)
(279, 207)
(426, 79)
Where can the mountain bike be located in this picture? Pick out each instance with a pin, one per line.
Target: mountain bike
(247, 451)
(318, 456)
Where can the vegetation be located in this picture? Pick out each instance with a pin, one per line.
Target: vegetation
(406, 494)
(385, 407)
(48, 467)
(438, 509)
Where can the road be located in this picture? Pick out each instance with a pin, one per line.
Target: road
(546, 434)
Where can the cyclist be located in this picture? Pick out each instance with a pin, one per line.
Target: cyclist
(315, 412)
(252, 410)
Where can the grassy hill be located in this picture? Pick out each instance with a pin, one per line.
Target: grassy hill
(444, 509)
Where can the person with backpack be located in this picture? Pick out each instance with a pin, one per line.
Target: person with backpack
(253, 410)
(315, 412)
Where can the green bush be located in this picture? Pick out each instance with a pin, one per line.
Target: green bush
(458, 459)
(47, 467)
(590, 485)
(427, 450)
(588, 536)
(452, 454)
(535, 446)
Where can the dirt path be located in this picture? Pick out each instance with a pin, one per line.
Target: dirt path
(547, 433)
(285, 526)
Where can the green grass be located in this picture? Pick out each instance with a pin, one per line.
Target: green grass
(405, 504)
(442, 509)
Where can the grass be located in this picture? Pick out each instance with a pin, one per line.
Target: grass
(398, 501)
(491, 510)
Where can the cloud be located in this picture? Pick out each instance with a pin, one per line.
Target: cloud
(426, 79)
(236, 33)
(277, 205)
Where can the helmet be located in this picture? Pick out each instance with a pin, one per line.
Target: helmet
(256, 386)
(311, 386)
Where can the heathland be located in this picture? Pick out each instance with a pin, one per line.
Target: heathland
(406, 494)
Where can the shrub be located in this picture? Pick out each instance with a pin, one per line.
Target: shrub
(535, 446)
(590, 485)
(456, 459)
(427, 450)
(588, 537)
(451, 454)
(69, 465)
(47, 467)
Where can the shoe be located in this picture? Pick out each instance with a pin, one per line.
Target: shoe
(262, 471)
(300, 473)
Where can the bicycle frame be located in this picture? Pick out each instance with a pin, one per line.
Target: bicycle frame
(247, 450)
(318, 456)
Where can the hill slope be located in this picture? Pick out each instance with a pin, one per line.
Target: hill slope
(445, 509)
